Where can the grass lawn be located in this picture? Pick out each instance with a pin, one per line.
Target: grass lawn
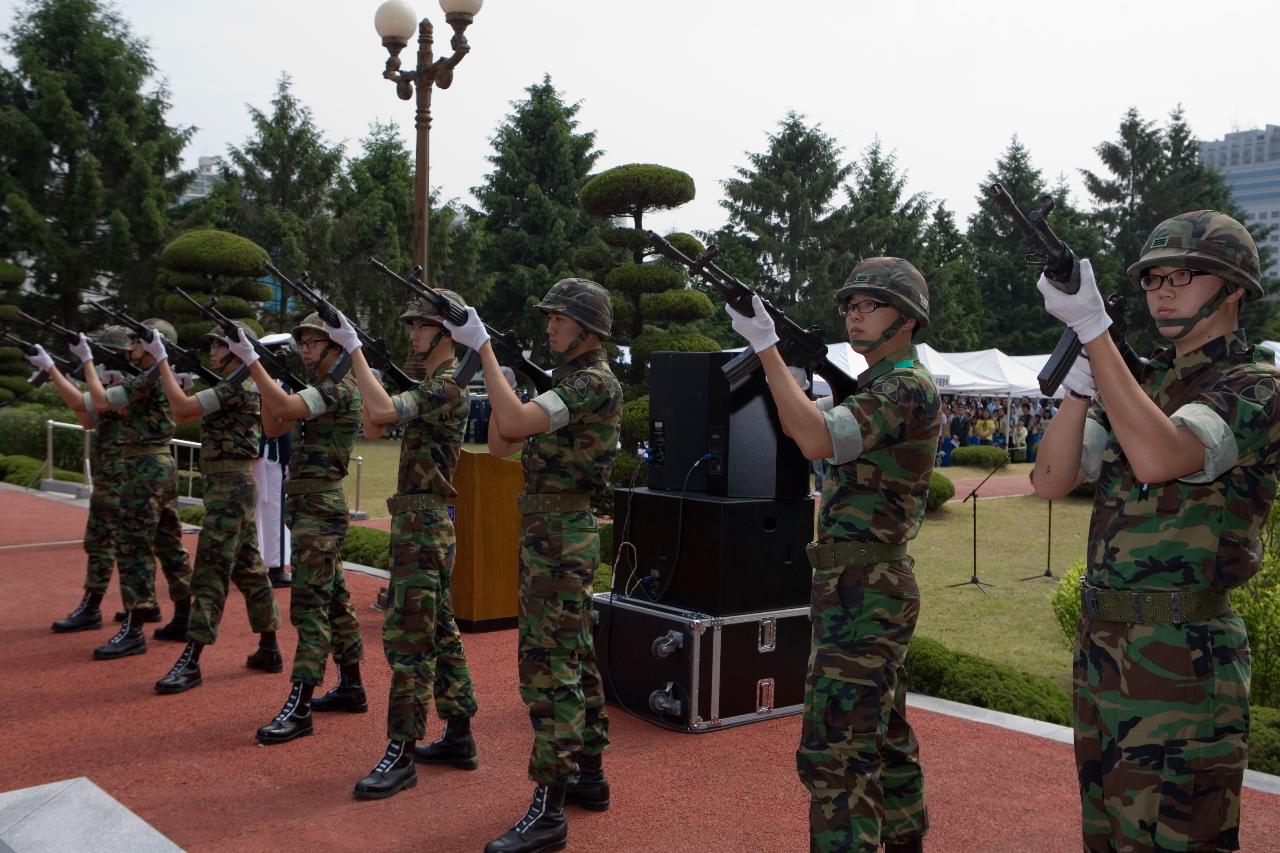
(378, 473)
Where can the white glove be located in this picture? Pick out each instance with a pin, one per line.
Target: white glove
(242, 348)
(41, 360)
(110, 377)
(1083, 310)
(1079, 380)
(344, 334)
(186, 381)
(81, 350)
(155, 347)
(758, 330)
(470, 334)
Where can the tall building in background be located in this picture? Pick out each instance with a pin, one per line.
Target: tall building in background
(1250, 160)
(206, 176)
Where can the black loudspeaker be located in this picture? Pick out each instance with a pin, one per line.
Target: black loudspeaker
(692, 413)
(712, 554)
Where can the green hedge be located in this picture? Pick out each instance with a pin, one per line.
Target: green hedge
(980, 456)
(192, 514)
(28, 471)
(941, 490)
(676, 306)
(687, 243)
(634, 425)
(209, 251)
(623, 190)
(1065, 599)
(1264, 740)
(632, 279)
(367, 546)
(935, 670)
(22, 432)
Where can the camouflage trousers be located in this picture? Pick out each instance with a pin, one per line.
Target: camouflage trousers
(228, 551)
(559, 678)
(1161, 717)
(320, 606)
(150, 529)
(100, 528)
(858, 756)
(419, 634)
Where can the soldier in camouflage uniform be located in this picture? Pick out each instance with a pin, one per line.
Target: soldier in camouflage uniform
(419, 634)
(148, 498)
(328, 414)
(858, 755)
(1185, 459)
(228, 545)
(569, 437)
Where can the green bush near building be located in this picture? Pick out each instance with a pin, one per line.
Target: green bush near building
(941, 490)
(935, 670)
(980, 456)
(367, 546)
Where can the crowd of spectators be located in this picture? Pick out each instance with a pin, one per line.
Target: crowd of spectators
(970, 420)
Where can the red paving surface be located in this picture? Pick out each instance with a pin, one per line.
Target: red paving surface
(189, 766)
(996, 487)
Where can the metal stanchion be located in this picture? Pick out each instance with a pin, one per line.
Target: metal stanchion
(355, 511)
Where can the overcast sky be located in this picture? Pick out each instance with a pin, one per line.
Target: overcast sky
(696, 84)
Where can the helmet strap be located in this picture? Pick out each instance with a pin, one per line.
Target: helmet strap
(1186, 324)
(426, 356)
(874, 343)
(578, 340)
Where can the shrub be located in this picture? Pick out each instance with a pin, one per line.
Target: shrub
(1264, 739)
(212, 252)
(190, 483)
(634, 426)
(367, 546)
(676, 306)
(1065, 599)
(27, 471)
(604, 577)
(644, 278)
(22, 432)
(941, 490)
(980, 456)
(192, 514)
(625, 190)
(606, 541)
(592, 258)
(687, 243)
(935, 670)
(11, 275)
(1258, 603)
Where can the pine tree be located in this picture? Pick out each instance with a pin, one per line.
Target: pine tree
(955, 302)
(883, 219)
(784, 202)
(89, 167)
(532, 222)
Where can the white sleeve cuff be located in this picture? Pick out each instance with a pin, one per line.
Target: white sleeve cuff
(316, 405)
(406, 406)
(1091, 450)
(88, 404)
(826, 404)
(1221, 453)
(117, 398)
(846, 437)
(208, 400)
(551, 403)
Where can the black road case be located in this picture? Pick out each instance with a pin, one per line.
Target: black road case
(695, 672)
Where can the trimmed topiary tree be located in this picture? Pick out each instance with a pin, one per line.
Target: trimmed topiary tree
(14, 370)
(207, 263)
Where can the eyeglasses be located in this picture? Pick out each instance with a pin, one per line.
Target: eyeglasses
(309, 343)
(864, 306)
(1177, 278)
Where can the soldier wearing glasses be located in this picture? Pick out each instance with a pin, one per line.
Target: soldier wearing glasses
(1185, 461)
(858, 755)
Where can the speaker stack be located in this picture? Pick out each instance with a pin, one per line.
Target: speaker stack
(708, 622)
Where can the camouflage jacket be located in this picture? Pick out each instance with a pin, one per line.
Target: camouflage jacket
(107, 443)
(434, 416)
(322, 443)
(576, 454)
(147, 417)
(1200, 531)
(885, 439)
(231, 423)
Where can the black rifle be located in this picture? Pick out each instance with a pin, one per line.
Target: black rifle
(105, 356)
(801, 347)
(1061, 267)
(182, 358)
(506, 345)
(375, 349)
(66, 365)
(274, 366)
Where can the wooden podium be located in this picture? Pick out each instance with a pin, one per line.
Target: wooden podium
(486, 567)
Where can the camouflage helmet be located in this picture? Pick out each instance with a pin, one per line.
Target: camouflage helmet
(422, 309)
(311, 321)
(115, 337)
(582, 300)
(218, 333)
(164, 327)
(1211, 241)
(897, 281)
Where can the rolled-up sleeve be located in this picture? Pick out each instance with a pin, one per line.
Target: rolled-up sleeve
(846, 435)
(1091, 449)
(554, 405)
(316, 403)
(1221, 452)
(117, 397)
(208, 400)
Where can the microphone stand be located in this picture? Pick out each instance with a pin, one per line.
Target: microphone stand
(1048, 553)
(974, 581)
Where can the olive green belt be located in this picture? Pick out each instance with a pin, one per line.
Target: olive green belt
(132, 450)
(226, 466)
(1146, 607)
(554, 502)
(416, 502)
(836, 554)
(310, 485)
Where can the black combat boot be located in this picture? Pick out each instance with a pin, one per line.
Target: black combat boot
(294, 719)
(176, 630)
(151, 614)
(393, 773)
(280, 579)
(185, 673)
(267, 657)
(127, 641)
(591, 791)
(543, 827)
(85, 617)
(910, 844)
(456, 747)
(347, 696)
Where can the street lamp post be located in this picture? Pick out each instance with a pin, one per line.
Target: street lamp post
(394, 22)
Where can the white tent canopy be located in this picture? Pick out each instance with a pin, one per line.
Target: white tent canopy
(1013, 378)
(951, 378)
(1274, 346)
